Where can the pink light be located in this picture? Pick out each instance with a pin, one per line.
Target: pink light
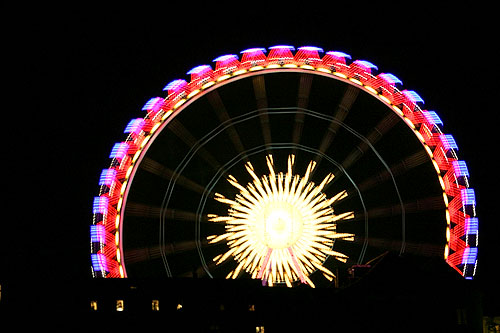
(108, 176)
(432, 118)
(310, 49)
(176, 86)
(135, 126)
(264, 263)
(296, 264)
(460, 169)
(100, 205)
(413, 96)
(253, 57)
(408, 99)
(281, 53)
(282, 47)
(468, 196)
(335, 61)
(471, 226)
(390, 79)
(361, 70)
(254, 50)
(338, 56)
(448, 142)
(200, 72)
(119, 150)
(226, 62)
(366, 65)
(386, 83)
(470, 255)
(199, 76)
(99, 262)
(97, 233)
(154, 104)
(308, 55)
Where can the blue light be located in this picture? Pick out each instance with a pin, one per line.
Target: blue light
(468, 196)
(134, 126)
(413, 96)
(99, 262)
(460, 169)
(366, 64)
(311, 48)
(391, 78)
(471, 226)
(470, 255)
(226, 57)
(97, 233)
(152, 104)
(339, 54)
(175, 84)
(107, 177)
(432, 117)
(119, 150)
(199, 69)
(100, 205)
(282, 47)
(255, 49)
(448, 141)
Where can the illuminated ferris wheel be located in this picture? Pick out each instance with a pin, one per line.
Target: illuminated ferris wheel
(285, 165)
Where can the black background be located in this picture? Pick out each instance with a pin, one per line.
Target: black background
(80, 74)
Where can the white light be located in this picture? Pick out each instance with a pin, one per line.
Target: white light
(278, 225)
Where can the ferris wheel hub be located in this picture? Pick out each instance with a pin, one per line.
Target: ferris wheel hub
(278, 224)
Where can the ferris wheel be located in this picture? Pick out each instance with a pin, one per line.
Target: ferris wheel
(285, 165)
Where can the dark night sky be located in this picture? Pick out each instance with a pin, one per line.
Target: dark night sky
(91, 70)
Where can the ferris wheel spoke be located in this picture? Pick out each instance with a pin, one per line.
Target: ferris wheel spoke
(414, 248)
(133, 256)
(302, 103)
(176, 127)
(156, 212)
(158, 169)
(259, 86)
(220, 110)
(403, 166)
(350, 95)
(419, 205)
(373, 136)
(136, 255)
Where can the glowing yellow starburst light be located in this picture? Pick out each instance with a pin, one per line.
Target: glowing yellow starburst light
(280, 228)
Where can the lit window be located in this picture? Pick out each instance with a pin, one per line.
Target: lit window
(259, 329)
(179, 306)
(119, 305)
(155, 305)
(93, 305)
(251, 308)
